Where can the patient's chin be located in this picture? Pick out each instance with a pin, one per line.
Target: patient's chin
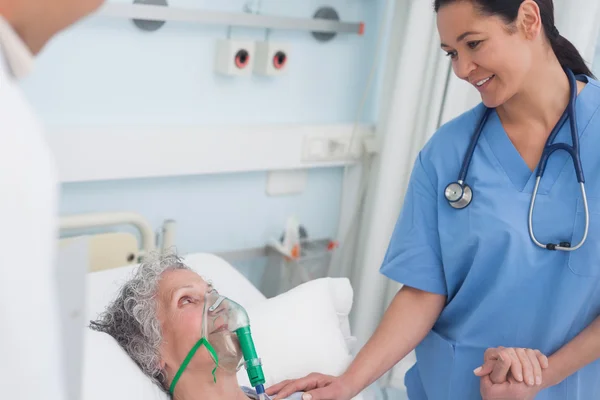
(200, 362)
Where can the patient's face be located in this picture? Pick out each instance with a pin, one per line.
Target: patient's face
(180, 304)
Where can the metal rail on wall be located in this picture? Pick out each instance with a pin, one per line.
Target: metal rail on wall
(162, 13)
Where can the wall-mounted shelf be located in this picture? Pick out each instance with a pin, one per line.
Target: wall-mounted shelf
(105, 153)
(162, 13)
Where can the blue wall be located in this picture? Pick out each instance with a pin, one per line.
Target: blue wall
(106, 71)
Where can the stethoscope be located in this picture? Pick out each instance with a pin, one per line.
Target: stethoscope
(460, 195)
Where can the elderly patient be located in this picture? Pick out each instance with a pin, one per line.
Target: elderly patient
(157, 318)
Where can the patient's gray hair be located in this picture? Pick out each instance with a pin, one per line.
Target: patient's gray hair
(132, 317)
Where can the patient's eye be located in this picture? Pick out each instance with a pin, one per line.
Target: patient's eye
(185, 300)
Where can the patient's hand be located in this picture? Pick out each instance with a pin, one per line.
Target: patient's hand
(317, 386)
(523, 365)
(509, 390)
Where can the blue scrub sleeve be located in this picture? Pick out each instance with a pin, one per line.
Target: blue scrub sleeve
(413, 257)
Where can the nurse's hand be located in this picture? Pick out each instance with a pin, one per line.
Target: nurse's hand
(509, 390)
(316, 386)
(524, 365)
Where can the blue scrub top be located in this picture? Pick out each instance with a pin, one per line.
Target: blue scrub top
(502, 289)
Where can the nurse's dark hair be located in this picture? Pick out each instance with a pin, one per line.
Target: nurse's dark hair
(565, 51)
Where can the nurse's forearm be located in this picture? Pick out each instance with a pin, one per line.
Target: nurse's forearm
(581, 351)
(407, 321)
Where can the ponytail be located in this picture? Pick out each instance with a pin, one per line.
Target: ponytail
(567, 54)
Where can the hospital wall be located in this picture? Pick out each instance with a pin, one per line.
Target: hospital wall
(596, 61)
(105, 72)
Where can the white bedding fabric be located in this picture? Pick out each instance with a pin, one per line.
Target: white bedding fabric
(304, 330)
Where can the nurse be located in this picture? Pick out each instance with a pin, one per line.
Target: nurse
(474, 279)
(30, 359)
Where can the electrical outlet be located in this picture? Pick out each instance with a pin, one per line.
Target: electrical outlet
(271, 58)
(332, 148)
(235, 57)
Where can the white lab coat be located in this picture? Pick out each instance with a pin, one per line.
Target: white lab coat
(30, 348)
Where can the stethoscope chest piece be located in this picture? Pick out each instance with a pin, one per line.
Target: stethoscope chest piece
(459, 195)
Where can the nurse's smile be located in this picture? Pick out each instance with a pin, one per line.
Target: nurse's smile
(482, 84)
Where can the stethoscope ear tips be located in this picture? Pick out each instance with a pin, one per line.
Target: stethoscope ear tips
(458, 195)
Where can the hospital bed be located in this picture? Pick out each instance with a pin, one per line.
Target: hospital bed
(114, 249)
(303, 330)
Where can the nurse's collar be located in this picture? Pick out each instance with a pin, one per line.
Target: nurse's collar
(19, 57)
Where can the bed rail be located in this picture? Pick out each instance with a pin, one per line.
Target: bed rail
(97, 220)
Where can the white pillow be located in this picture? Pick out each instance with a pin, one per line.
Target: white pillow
(110, 374)
(298, 332)
(225, 278)
(295, 333)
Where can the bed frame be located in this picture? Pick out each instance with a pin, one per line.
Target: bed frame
(109, 250)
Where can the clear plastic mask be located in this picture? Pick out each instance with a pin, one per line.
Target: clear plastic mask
(221, 317)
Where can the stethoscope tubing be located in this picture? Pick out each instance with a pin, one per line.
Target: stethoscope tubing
(549, 148)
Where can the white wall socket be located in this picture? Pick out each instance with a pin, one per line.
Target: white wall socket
(332, 148)
(235, 57)
(272, 58)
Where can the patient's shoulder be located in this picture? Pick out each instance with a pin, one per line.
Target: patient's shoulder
(295, 396)
(251, 393)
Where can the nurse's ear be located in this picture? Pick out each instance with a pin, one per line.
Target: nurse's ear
(529, 20)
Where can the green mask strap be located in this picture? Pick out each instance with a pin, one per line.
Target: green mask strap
(187, 360)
